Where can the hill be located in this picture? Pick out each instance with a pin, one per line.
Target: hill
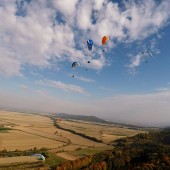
(93, 119)
(147, 151)
(80, 117)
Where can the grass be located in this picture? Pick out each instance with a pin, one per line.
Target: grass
(53, 160)
(86, 151)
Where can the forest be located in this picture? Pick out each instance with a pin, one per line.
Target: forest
(148, 151)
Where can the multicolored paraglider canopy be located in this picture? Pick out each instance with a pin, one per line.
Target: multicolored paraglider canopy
(104, 40)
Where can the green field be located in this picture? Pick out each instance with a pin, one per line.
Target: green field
(85, 151)
(53, 160)
(4, 129)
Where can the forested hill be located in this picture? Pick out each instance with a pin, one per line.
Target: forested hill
(87, 118)
(150, 151)
(80, 117)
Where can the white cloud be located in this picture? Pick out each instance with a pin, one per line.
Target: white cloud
(63, 86)
(51, 30)
(146, 18)
(136, 61)
(67, 7)
(84, 15)
(98, 4)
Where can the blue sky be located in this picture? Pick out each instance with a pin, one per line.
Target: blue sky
(39, 41)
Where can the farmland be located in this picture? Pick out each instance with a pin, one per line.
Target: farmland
(25, 131)
(104, 132)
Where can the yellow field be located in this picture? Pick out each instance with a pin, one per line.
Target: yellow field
(106, 133)
(10, 160)
(30, 130)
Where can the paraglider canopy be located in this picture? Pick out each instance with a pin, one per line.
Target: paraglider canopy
(89, 44)
(40, 156)
(105, 39)
(147, 53)
(88, 61)
(75, 64)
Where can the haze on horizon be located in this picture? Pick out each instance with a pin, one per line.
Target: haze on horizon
(39, 40)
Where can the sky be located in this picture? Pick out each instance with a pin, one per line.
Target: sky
(129, 82)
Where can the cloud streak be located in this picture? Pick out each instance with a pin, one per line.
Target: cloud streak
(63, 86)
(81, 78)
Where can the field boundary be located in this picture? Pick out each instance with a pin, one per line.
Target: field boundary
(77, 133)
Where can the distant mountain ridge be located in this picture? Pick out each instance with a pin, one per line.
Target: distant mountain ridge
(80, 117)
(93, 119)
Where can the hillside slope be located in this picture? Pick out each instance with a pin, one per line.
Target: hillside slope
(142, 152)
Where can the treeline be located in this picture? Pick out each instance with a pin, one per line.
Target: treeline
(150, 151)
(4, 128)
(5, 153)
(77, 133)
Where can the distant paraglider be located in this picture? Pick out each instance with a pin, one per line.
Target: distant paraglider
(104, 40)
(75, 64)
(147, 53)
(89, 45)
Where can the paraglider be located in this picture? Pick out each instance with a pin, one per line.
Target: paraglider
(147, 52)
(75, 64)
(88, 61)
(105, 39)
(89, 45)
(39, 156)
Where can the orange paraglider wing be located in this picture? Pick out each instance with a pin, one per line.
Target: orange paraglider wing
(104, 40)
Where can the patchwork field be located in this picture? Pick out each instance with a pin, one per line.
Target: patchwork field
(27, 132)
(23, 131)
(104, 132)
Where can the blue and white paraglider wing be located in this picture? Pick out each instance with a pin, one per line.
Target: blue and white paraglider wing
(89, 45)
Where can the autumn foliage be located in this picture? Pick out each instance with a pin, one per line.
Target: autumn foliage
(150, 151)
